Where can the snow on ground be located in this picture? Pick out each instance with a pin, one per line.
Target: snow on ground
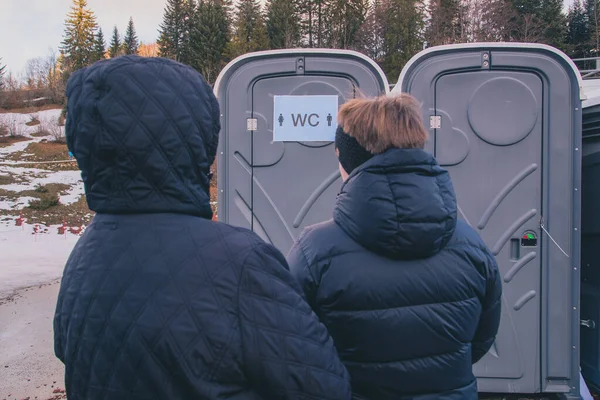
(41, 177)
(17, 204)
(47, 118)
(31, 177)
(27, 259)
(28, 178)
(73, 195)
(13, 148)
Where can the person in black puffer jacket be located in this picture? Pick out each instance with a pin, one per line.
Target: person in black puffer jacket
(410, 295)
(157, 301)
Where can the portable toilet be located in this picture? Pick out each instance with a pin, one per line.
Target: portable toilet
(590, 235)
(277, 169)
(504, 119)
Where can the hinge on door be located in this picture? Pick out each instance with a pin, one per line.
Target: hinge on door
(435, 122)
(251, 124)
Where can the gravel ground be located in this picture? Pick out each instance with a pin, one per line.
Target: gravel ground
(28, 367)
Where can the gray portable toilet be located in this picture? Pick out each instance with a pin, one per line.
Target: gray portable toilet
(505, 120)
(590, 235)
(277, 169)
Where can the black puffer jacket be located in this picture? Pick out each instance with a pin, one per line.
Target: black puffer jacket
(157, 301)
(410, 295)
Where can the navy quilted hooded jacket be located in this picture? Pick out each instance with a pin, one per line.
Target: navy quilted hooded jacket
(410, 295)
(157, 301)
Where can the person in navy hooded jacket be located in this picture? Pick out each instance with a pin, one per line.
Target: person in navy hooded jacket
(410, 295)
(157, 301)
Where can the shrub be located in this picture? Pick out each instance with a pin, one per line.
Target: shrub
(3, 128)
(44, 202)
(57, 132)
(34, 120)
(15, 130)
(42, 128)
(41, 188)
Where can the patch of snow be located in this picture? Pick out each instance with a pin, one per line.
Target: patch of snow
(29, 259)
(21, 171)
(40, 177)
(66, 177)
(19, 203)
(23, 119)
(15, 147)
(73, 195)
(46, 118)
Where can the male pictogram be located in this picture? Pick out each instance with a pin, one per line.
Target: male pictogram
(329, 119)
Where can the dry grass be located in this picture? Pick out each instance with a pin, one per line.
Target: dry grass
(7, 180)
(214, 193)
(29, 110)
(46, 209)
(75, 214)
(35, 121)
(40, 133)
(44, 151)
(6, 141)
(52, 189)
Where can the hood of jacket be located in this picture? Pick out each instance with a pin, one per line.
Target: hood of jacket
(400, 204)
(144, 132)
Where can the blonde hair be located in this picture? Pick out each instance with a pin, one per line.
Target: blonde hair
(381, 123)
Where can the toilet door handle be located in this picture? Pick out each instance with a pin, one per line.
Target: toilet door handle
(588, 323)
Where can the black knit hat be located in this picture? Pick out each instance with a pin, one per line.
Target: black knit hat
(350, 153)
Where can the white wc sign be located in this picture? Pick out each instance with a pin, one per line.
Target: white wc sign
(305, 118)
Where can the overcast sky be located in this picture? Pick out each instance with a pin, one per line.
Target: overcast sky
(29, 28)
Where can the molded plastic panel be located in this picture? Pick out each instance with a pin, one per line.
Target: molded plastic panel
(510, 136)
(278, 188)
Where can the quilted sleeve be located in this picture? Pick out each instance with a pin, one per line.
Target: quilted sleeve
(489, 321)
(288, 353)
(58, 335)
(300, 268)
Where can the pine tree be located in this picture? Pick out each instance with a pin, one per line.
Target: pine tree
(315, 15)
(99, 46)
(131, 44)
(209, 38)
(2, 73)
(554, 21)
(116, 47)
(578, 35)
(345, 19)
(190, 17)
(250, 32)
(79, 36)
(445, 22)
(490, 20)
(371, 35)
(172, 33)
(283, 25)
(541, 21)
(404, 34)
(592, 11)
